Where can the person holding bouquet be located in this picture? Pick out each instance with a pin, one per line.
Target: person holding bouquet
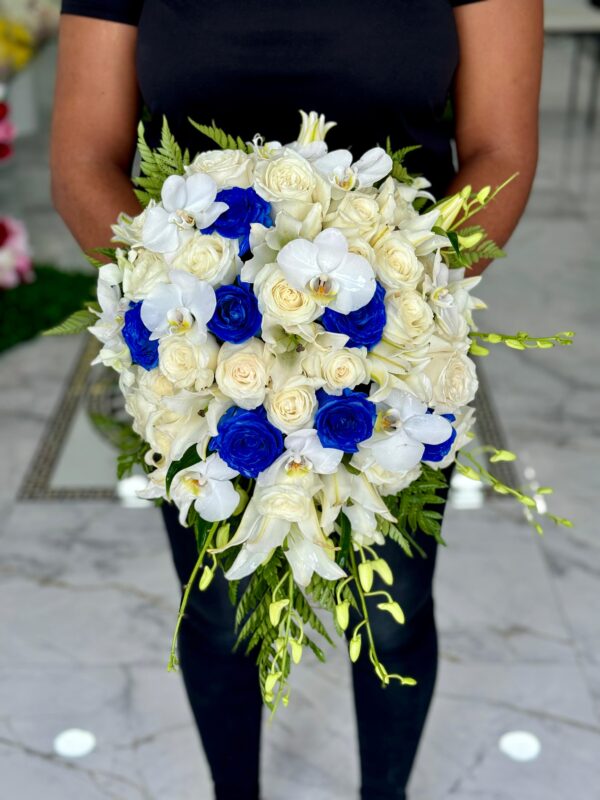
(424, 72)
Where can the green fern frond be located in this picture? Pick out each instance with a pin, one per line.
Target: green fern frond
(78, 322)
(224, 140)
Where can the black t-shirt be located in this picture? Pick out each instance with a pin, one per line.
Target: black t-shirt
(376, 67)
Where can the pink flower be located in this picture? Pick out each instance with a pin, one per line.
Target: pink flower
(15, 256)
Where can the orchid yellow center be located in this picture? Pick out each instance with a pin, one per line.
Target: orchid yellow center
(180, 320)
(323, 289)
(347, 180)
(194, 485)
(297, 466)
(387, 421)
(182, 218)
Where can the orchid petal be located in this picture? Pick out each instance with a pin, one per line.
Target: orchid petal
(396, 453)
(218, 501)
(335, 160)
(298, 262)
(201, 191)
(306, 557)
(208, 216)
(357, 284)
(373, 165)
(428, 428)
(332, 248)
(158, 234)
(173, 193)
(217, 469)
(159, 302)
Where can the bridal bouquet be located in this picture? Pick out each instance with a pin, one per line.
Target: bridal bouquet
(294, 336)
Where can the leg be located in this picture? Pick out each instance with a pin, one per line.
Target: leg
(390, 721)
(222, 686)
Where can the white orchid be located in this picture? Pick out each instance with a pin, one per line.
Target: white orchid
(450, 298)
(277, 514)
(208, 487)
(338, 167)
(402, 430)
(343, 489)
(304, 457)
(185, 203)
(328, 272)
(112, 308)
(185, 304)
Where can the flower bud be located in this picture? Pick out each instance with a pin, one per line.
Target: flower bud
(296, 649)
(206, 578)
(222, 536)
(393, 609)
(271, 681)
(365, 574)
(342, 614)
(354, 647)
(382, 568)
(275, 610)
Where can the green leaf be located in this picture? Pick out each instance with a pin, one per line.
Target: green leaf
(188, 459)
(224, 140)
(76, 323)
(345, 541)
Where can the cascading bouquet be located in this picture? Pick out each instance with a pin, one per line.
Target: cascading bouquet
(293, 333)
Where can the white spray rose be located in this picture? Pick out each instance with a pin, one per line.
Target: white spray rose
(284, 502)
(286, 305)
(362, 248)
(453, 380)
(409, 319)
(344, 369)
(226, 167)
(292, 407)
(186, 363)
(357, 214)
(243, 372)
(291, 183)
(142, 271)
(209, 257)
(396, 263)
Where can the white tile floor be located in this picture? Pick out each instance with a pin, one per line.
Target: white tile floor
(88, 596)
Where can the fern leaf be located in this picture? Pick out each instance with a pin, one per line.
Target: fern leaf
(224, 140)
(78, 321)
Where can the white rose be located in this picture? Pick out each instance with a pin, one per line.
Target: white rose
(226, 167)
(282, 302)
(357, 214)
(186, 363)
(142, 271)
(153, 383)
(409, 319)
(362, 248)
(243, 372)
(344, 369)
(209, 257)
(292, 184)
(453, 380)
(396, 263)
(284, 502)
(293, 407)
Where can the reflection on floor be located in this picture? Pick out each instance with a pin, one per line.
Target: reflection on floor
(88, 596)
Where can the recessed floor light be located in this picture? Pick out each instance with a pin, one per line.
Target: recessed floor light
(520, 745)
(74, 743)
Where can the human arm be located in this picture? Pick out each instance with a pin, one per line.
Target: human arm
(496, 99)
(96, 109)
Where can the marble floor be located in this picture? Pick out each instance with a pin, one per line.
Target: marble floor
(88, 594)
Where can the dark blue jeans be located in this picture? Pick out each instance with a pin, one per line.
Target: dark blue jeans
(223, 686)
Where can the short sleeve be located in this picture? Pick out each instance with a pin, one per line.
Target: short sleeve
(127, 11)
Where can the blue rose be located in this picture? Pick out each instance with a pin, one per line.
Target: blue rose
(137, 338)
(344, 421)
(364, 326)
(245, 207)
(436, 452)
(236, 316)
(247, 441)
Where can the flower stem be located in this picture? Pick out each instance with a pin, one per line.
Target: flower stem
(172, 665)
